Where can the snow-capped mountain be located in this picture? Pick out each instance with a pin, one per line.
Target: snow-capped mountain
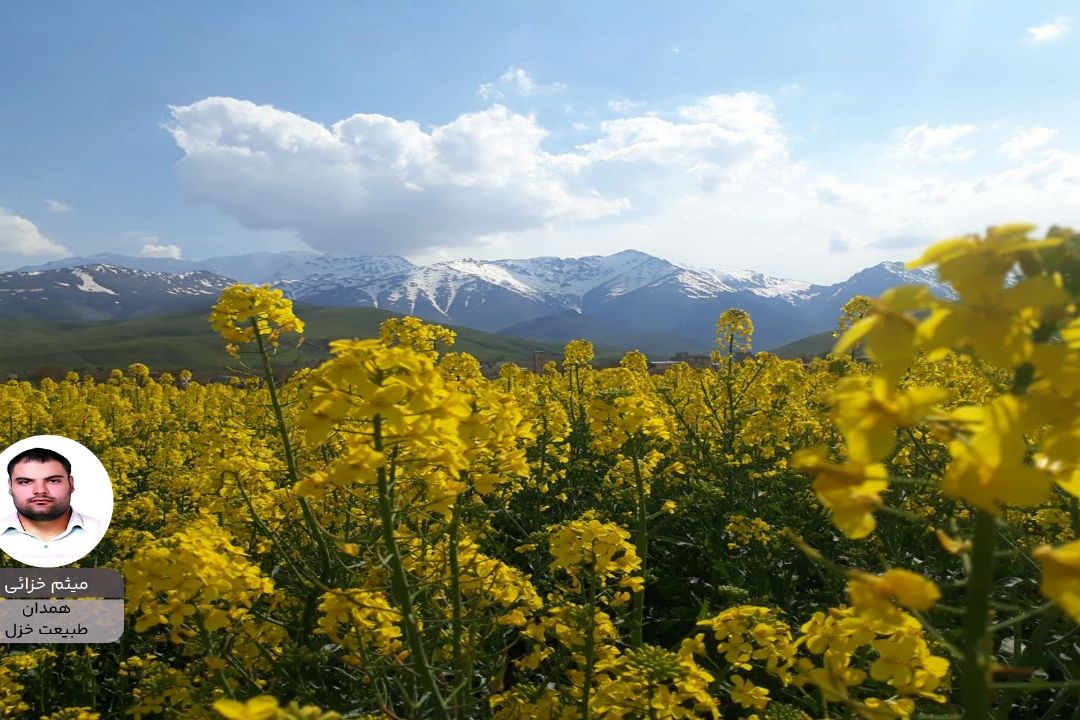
(104, 292)
(334, 273)
(629, 294)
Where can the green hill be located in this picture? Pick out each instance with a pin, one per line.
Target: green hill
(817, 345)
(31, 348)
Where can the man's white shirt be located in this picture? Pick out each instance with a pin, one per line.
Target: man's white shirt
(78, 539)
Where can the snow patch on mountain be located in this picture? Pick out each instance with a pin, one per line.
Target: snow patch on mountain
(88, 284)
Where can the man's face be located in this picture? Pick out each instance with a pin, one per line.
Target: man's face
(42, 491)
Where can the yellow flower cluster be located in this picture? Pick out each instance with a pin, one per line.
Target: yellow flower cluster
(616, 418)
(748, 632)
(73, 713)
(578, 353)
(602, 550)
(195, 579)
(388, 401)
(415, 334)
(489, 581)
(246, 314)
(746, 531)
(267, 707)
(655, 683)
(879, 595)
(363, 622)
(157, 687)
(903, 661)
(1008, 323)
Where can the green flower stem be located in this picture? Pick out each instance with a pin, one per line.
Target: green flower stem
(1021, 617)
(641, 541)
(399, 586)
(974, 681)
(590, 643)
(316, 532)
(462, 684)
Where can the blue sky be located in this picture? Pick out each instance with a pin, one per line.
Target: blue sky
(804, 140)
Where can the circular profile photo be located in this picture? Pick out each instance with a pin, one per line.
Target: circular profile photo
(58, 504)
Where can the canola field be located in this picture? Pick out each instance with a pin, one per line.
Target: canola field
(892, 532)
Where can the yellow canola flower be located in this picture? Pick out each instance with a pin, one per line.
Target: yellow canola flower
(751, 632)
(976, 266)
(652, 682)
(889, 329)
(869, 418)
(241, 309)
(951, 545)
(578, 353)
(263, 707)
(266, 707)
(877, 593)
(988, 467)
(1061, 576)
(903, 658)
(747, 694)
(1000, 328)
(850, 490)
(602, 548)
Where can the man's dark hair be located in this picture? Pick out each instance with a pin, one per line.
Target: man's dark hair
(38, 455)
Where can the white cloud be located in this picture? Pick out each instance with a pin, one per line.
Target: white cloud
(927, 142)
(713, 183)
(720, 139)
(22, 237)
(1024, 140)
(518, 82)
(371, 183)
(622, 105)
(153, 247)
(1050, 31)
(57, 206)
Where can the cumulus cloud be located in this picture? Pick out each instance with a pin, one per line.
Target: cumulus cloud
(1050, 31)
(518, 82)
(711, 183)
(153, 247)
(719, 140)
(927, 142)
(1021, 142)
(371, 183)
(57, 206)
(22, 237)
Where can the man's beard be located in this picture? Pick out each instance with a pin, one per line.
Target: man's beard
(49, 512)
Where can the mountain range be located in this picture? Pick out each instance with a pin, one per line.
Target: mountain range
(629, 299)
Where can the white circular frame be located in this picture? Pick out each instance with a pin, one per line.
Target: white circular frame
(93, 493)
